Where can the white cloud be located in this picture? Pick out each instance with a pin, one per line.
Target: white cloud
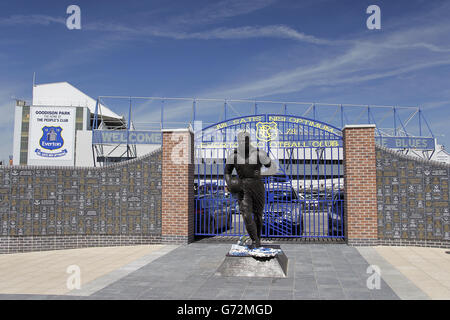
(363, 58)
(216, 12)
(210, 14)
(243, 32)
(30, 20)
(246, 32)
(360, 60)
(391, 54)
(436, 105)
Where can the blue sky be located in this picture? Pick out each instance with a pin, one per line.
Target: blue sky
(264, 49)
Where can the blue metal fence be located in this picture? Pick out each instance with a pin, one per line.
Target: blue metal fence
(305, 197)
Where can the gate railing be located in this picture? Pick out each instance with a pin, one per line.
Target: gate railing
(304, 199)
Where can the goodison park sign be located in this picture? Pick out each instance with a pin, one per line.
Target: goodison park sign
(130, 137)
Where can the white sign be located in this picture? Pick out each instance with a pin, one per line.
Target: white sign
(51, 135)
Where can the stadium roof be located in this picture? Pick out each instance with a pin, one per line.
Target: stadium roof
(63, 94)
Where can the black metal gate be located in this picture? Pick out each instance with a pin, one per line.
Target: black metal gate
(304, 199)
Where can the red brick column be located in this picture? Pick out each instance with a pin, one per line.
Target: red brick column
(360, 185)
(177, 186)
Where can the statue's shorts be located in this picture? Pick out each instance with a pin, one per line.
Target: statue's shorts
(252, 197)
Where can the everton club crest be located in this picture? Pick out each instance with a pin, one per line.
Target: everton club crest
(51, 140)
(266, 131)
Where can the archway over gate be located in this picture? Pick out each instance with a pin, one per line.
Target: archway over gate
(304, 198)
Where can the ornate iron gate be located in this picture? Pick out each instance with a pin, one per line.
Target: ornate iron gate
(304, 199)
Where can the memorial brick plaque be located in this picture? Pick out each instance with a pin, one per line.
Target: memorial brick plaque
(415, 193)
(67, 201)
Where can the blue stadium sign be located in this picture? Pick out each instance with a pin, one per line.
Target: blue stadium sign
(130, 137)
(422, 143)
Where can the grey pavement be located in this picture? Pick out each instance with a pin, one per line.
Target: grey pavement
(119, 273)
(315, 271)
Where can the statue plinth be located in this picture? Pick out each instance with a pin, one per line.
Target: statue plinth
(249, 264)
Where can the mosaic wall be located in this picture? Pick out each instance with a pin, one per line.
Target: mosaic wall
(412, 197)
(122, 199)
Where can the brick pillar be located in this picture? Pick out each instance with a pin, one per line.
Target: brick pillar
(177, 186)
(360, 185)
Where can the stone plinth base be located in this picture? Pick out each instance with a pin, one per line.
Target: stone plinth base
(248, 266)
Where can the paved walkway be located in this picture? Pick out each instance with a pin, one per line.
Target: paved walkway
(46, 272)
(427, 268)
(315, 271)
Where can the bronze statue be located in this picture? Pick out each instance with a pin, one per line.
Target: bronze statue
(248, 186)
